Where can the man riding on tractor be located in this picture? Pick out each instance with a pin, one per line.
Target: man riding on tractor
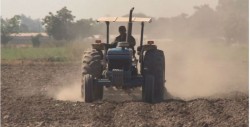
(122, 38)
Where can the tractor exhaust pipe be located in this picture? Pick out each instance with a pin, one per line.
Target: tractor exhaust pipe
(130, 25)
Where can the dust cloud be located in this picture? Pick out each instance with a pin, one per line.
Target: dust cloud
(67, 86)
(70, 93)
(204, 68)
(194, 69)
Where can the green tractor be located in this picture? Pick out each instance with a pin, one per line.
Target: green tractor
(117, 67)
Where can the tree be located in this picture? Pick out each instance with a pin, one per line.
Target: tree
(30, 25)
(203, 23)
(83, 28)
(234, 19)
(8, 27)
(58, 26)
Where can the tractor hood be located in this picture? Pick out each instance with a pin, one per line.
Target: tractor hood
(119, 58)
(119, 53)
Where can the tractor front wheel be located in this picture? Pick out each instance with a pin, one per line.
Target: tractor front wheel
(91, 91)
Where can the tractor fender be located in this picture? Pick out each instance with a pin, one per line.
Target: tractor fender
(98, 46)
(144, 48)
(141, 49)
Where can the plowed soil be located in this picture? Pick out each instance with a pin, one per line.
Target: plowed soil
(26, 101)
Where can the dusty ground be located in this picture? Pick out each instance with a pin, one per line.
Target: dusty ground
(26, 101)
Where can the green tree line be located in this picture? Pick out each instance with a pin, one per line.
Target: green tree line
(229, 21)
(61, 26)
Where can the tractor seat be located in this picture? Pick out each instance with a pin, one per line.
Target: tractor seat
(123, 44)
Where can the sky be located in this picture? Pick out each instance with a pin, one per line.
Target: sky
(98, 8)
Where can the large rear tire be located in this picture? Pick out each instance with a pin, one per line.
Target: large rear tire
(92, 63)
(92, 68)
(148, 89)
(154, 64)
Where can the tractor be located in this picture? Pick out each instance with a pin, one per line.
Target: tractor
(116, 67)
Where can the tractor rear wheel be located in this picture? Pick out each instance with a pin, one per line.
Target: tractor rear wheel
(92, 68)
(154, 64)
(92, 63)
(148, 89)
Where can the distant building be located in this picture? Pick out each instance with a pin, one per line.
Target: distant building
(26, 37)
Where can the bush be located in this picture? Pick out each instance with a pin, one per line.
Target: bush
(36, 40)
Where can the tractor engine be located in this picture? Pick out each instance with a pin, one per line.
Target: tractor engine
(119, 65)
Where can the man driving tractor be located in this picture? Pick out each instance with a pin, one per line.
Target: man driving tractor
(122, 38)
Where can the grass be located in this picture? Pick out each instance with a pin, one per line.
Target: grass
(73, 51)
(33, 53)
(68, 52)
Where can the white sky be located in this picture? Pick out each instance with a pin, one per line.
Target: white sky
(99, 8)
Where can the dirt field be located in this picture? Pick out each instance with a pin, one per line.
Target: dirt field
(27, 100)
